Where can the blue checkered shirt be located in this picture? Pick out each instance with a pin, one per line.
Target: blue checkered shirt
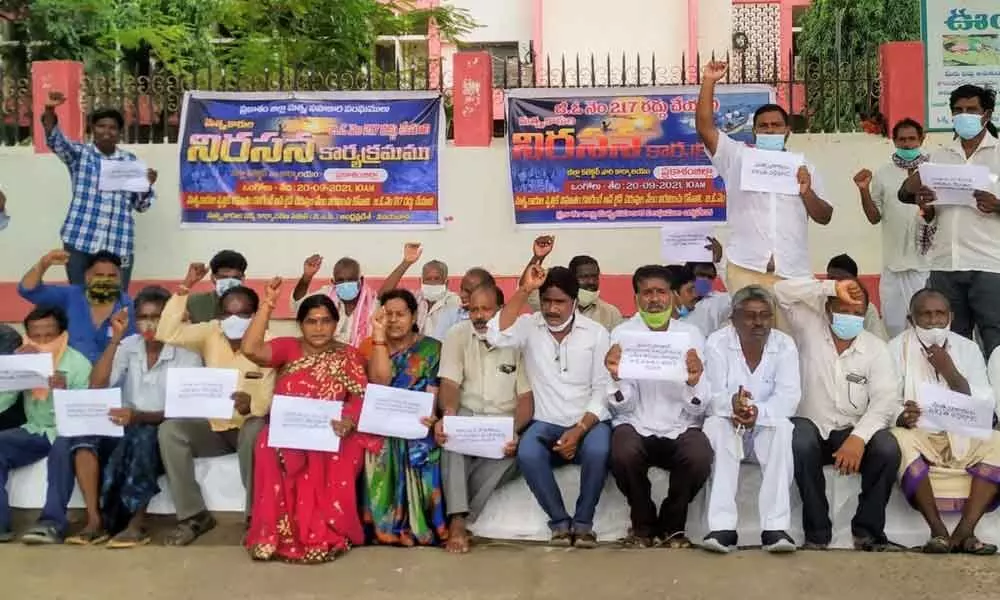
(96, 220)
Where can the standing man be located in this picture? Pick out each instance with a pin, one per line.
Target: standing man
(850, 395)
(769, 238)
(435, 302)
(228, 269)
(356, 302)
(904, 260)
(658, 423)
(965, 254)
(479, 380)
(753, 372)
(97, 220)
(564, 353)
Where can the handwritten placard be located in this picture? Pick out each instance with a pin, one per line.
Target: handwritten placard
(478, 436)
(770, 172)
(392, 412)
(25, 371)
(304, 424)
(944, 410)
(954, 184)
(194, 393)
(686, 242)
(87, 412)
(654, 355)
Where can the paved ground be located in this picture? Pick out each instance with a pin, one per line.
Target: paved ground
(217, 569)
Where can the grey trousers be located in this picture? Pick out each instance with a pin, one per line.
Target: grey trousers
(183, 440)
(974, 301)
(469, 481)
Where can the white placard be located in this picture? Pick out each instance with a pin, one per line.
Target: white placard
(685, 242)
(196, 393)
(123, 176)
(25, 371)
(392, 412)
(478, 436)
(944, 410)
(769, 171)
(86, 412)
(654, 355)
(304, 424)
(954, 184)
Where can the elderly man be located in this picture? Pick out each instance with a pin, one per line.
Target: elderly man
(843, 266)
(769, 238)
(228, 270)
(480, 380)
(564, 355)
(658, 423)
(753, 373)
(356, 302)
(944, 471)
(850, 396)
(436, 303)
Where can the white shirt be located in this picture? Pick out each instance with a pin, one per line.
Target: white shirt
(859, 388)
(430, 318)
(775, 387)
(145, 389)
(905, 348)
(660, 408)
(966, 239)
(711, 313)
(899, 222)
(568, 378)
(448, 318)
(763, 225)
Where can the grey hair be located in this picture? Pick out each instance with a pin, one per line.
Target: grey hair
(753, 292)
(439, 265)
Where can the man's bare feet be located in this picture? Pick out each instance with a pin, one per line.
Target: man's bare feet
(458, 536)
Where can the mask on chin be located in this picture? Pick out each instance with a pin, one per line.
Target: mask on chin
(565, 324)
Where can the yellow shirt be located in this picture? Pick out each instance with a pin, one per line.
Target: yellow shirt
(490, 378)
(208, 340)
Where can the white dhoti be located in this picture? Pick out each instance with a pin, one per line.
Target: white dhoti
(772, 447)
(896, 288)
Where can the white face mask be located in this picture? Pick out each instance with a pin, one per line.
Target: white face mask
(225, 284)
(433, 293)
(565, 325)
(234, 327)
(587, 297)
(932, 337)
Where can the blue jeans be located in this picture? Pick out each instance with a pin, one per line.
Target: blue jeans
(536, 459)
(76, 268)
(18, 448)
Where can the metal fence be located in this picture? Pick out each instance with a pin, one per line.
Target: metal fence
(821, 95)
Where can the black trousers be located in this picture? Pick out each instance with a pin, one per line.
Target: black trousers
(879, 468)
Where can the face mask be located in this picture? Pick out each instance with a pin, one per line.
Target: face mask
(655, 320)
(702, 287)
(225, 284)
(908, 154)
(147, 328)
(234, 327)
(348, 291)
(847, 327)
(771, 141)
(683, 311)
(101, 290)
(565, 325)
(433, 293)
(587, 297)
(967, 126)
(932, 337)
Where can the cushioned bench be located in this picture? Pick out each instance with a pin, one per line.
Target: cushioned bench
(513, 514)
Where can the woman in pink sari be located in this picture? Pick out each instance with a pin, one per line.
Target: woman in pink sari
(305, 505)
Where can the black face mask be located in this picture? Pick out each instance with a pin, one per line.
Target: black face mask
(101, 290)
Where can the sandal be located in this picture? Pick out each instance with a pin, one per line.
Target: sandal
(129, 539)
(41, 534)
(677, 541)
(635, 541)
(191, 529)
(971, 545)
(88, 538)
(938, 544)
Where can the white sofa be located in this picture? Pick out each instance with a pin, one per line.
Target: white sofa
(513, 514)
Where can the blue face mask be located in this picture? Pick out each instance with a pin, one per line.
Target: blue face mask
(967, 126)
(348, 290)
(683, 311)
(771, 141)
(702, 287)
(847, 327)
(908, 154)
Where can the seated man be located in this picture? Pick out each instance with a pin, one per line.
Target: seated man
(45, 328)
(712, 309)
(356, 302)
(229, 269)
(570, 397)
(88, 307)
(457, 313)
(658, 423)
(843, 266)
(183, 440)
(685, 298)
(753, 372)
(944, 471)
(435, 300)
(850, 396)
(138, 365)
(478, 379)
(11, 405)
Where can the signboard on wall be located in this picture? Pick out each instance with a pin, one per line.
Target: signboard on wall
(619, 157)
(310, 160)
(961, 45)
